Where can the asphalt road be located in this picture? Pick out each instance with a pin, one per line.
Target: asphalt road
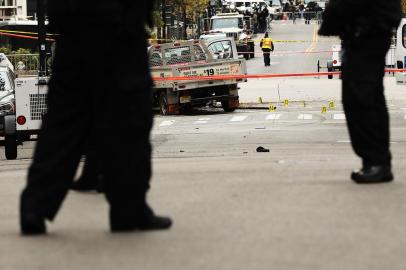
(234, 208)
(297, 49)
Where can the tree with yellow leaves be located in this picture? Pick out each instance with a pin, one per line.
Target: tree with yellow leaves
(190, 10)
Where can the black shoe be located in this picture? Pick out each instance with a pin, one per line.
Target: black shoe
(373, 175)
(145, 221)
(82, 185)
(32, 225)
(152, 223)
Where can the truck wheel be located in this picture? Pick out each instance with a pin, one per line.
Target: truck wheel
(163, 104)
(330, 70)
(226, 106)
(10, 146)
(187, 108)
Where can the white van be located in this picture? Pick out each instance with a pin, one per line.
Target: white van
(246, 5)
(400, 52)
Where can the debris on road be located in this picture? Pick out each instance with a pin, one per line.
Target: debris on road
(261, 149)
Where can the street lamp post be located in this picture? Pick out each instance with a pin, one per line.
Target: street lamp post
(164, 19)
(41, 37)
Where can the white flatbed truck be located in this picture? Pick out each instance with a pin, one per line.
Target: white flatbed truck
(196, 58)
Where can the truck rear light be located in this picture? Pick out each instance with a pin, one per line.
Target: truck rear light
(335, 62)
(21, 120)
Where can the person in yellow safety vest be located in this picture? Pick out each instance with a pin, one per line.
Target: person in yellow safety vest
(267, 47)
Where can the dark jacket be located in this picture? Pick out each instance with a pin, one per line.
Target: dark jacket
(361, 17)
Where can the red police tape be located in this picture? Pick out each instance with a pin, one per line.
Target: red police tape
(278, 53)
(257, 76)
(21, 36)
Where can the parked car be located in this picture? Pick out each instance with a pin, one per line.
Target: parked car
(7, 104)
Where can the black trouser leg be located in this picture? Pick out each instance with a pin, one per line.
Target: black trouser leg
(267, 57)
(58, 150)
(364, 101)
(126, 164)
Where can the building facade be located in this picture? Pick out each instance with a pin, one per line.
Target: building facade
(13, 9)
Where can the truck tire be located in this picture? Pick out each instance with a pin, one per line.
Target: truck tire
(330, 69)
(187, 108)
(10, 146)
(226, 106)
(163, 103)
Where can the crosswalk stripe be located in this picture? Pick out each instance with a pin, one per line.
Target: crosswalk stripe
(167, 123)
(339, 116)
(201, 121)
(305, 116)
(274, 116)
(238, 118)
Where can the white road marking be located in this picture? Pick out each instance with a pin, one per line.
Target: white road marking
(305, 116)
(405, 116)
(167, 123)
(274, 116)
(238, 118)
(339, 116)
(202, 121)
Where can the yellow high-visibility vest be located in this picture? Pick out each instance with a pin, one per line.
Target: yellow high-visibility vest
(266, 43)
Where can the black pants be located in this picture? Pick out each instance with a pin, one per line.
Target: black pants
(363, 98)
(267, 56)
(94, 92)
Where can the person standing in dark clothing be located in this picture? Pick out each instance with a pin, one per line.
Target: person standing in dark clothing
(366, 37)
(78, 102)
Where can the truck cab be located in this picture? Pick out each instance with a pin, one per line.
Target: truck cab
(236, 26)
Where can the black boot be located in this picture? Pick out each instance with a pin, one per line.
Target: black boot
(373, 175)
(144, 220)
(32, 225)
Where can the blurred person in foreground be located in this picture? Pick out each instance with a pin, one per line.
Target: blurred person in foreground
(79, 103)
(365, 28)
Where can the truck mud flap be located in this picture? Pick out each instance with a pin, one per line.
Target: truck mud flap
(10, 124)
